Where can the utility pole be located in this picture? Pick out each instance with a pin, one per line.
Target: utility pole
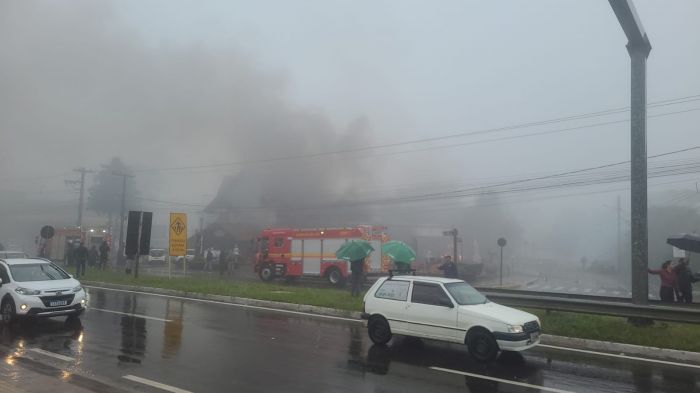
(81, 184)
(82, 172)
(638, 47)
(120, 247)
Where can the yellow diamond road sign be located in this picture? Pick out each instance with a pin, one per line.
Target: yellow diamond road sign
(178, 234)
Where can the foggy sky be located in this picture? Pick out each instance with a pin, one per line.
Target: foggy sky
(179, 83)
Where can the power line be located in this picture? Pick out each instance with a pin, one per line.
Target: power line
(445, 137)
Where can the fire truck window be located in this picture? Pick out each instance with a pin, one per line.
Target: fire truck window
(264, 244)
(279, 241)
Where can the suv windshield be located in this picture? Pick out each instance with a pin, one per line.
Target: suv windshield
(37, 272)
(13, 255)
(465, 294)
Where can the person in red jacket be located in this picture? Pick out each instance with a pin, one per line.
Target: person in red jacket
(669, 282)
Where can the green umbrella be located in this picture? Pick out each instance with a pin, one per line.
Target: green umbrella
(354, 250)
(399, 251)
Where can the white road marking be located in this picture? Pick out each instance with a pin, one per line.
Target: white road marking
(614, 355)
(155, 384)
(527, 385)
(574, 289)
(616, 292)
(602, 291)
(558, 288)
(546, 287)
(589, 290)
(232, 305)
(52, 354)
(131, 315)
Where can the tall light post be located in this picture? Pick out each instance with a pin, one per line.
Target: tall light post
(638, 47)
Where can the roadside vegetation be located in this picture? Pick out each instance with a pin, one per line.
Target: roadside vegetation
(605, 328)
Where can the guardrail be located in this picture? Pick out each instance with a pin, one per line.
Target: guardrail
(620, 307)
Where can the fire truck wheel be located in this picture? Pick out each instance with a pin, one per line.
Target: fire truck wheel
(379, 330)
(334, 276)
(267, 273)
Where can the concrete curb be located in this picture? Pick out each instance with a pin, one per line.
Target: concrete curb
(568, 342)
(622, 349)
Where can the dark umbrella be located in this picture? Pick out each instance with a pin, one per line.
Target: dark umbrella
(685, 242)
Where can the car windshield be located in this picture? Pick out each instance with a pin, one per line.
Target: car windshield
(157, 253)
(465, 294)
(37, 272)
(15, 255)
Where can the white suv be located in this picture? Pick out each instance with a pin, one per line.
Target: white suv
(448, 310)
(35, 287)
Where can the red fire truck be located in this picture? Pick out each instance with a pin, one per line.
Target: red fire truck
(291, 253)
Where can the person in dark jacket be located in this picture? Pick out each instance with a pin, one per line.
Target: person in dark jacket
(669, 283)
(449, 268)
(685, 280)
(357, 268)
(81, 255)
(104, 255)
(92, 256)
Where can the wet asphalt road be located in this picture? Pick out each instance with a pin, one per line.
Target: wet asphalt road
(210, 347)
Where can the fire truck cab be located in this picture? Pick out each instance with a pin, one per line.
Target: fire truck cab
(292, 253)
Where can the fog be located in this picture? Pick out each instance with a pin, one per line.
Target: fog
(277, 114)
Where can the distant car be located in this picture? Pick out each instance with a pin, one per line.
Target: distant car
(35, 287)
(157, 255)
(13, 254)
(448, 310)
(189, 256)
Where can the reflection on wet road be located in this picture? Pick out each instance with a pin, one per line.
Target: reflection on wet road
(210, 347)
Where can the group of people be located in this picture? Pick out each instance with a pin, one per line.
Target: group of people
(228, 260)
(676, 281)
(82, 257)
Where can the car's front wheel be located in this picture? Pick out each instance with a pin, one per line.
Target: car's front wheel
(482, 346)
(379, 330)
(7, 310)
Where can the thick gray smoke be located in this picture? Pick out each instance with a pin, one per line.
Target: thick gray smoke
(77, 88)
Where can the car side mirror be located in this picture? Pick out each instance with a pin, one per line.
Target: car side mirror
(445, 303)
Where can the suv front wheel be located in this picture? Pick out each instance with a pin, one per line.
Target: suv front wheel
(7, 309)
(379, 330)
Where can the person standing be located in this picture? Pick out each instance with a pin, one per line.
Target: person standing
(685, 279)
(356, 269)
(93, 254)
(81, 256)
(449, 268)
(669, 284)
(208, 260)
(104, 255)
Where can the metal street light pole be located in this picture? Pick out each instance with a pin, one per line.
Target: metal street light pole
(638, 47)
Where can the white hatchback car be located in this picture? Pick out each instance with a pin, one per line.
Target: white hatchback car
(446, 309)
(35, 287)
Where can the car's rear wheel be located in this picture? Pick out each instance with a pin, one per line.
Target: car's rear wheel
(266, 272)
(7, 310)
(379, 330)
(482, 346)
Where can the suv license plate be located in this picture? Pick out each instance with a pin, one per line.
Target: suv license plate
(534, 336)
(58, 303)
